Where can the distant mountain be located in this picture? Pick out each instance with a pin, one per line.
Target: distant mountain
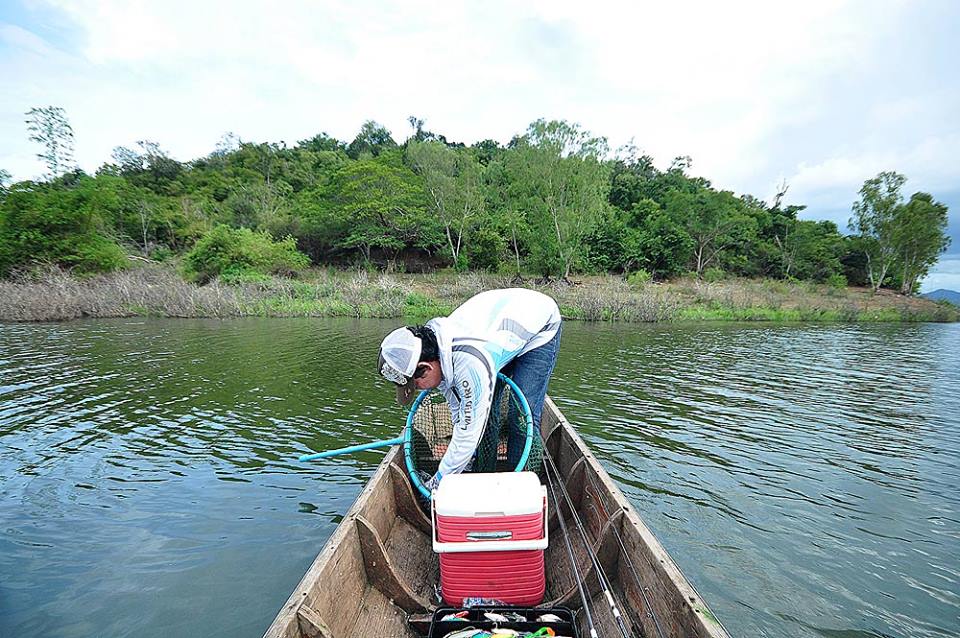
(944, 295)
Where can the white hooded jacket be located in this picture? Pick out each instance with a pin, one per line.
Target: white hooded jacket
(476, 341)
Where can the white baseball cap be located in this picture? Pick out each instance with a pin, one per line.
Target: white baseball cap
(399, 355)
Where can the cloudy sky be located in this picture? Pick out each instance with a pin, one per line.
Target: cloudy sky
(823, 95)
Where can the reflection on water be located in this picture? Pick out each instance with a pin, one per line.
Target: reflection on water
(804, 477)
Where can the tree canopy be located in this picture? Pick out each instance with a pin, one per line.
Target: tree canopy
(554, 201)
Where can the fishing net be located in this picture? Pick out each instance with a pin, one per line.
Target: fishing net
(431, 430)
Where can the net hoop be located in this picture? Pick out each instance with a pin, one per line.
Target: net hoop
(408, 433)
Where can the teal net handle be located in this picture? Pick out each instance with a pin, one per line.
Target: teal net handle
(408, 433)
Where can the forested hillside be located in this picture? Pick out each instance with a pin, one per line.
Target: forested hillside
(554, 201)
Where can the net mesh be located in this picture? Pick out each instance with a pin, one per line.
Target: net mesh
(433, 430)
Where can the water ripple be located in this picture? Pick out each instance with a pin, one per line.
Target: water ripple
(797, 466)
(804, 477)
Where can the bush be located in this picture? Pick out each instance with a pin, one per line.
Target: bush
(485, 248)
(240, 276)
(44, 223)
(713, 275)
(639, 278)
(162, 254)
(837, 280)
(240, 254)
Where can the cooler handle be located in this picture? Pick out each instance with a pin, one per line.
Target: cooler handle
(489, 536)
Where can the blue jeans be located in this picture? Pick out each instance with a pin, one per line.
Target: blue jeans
(531, 372)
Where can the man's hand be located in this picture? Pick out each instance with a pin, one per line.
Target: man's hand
(429, 482)
(432, 483)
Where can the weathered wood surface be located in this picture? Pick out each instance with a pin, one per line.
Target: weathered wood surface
(378, 569)
(311, 624)
(379, 618)
(411, 551)
(407, 505)
(382, 572)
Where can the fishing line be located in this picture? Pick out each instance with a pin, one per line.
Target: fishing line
(573, 562)
(601, 574)
(643, 592)
(636, 577)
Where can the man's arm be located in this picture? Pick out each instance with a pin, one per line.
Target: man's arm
(475, 387)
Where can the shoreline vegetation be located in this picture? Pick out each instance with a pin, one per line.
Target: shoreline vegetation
(158, 290)
(326, 228)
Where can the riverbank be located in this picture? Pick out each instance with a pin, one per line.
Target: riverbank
(157, 290)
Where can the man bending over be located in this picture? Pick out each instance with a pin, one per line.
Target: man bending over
(516, 331)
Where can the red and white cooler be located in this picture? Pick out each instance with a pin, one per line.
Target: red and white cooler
(490, 531)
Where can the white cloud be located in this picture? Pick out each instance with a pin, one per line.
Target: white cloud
(945, 274)
(932, 159)
(824, 93)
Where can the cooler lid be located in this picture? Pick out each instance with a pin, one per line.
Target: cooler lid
(493, 494)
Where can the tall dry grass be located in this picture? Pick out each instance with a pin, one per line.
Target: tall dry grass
(597, 299)
(53, 294)
(612, 300)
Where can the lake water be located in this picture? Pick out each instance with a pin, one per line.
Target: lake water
(806, 478)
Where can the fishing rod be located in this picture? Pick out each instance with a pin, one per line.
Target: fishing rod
(601, 574)
(573, 562)
(626, 554)
(636, 576)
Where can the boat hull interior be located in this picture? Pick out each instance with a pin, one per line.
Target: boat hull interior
(377, 574)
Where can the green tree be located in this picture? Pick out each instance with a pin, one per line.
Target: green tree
(505, 207)
(127, 160)
(372, 140)
(416, 123)
(655, 236)
(149, 167)
(378, 205)
(874, 219)
(811, 250)
(260, 205)
(487, 151)
(65, 226)
(557, 168)
(605, 243)
(49, 127)
(659, 245)
(485, 247)
(635, 178)
(453, 181)
(713, 221)
(919, 236)
(321, 142)
(4, 182)
(780, 259)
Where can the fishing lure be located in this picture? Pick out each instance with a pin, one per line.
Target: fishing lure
(460, 616)
(513, 616)
(549, 618)
(469, 632)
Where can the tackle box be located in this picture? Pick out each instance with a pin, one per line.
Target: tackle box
(490, 531)
(567, 626)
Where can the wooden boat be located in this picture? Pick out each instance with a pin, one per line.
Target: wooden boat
(376, 575)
